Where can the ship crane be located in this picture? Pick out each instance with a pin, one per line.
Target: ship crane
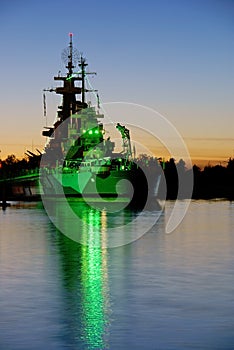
(127, 149)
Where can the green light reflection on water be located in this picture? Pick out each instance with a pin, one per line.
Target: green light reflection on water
(87, 264)
(94, 278)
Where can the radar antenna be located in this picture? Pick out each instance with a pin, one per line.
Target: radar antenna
(70, 56)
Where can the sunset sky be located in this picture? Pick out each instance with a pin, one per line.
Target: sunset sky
(174, 56)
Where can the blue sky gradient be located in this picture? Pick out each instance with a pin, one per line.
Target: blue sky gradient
(175, 56)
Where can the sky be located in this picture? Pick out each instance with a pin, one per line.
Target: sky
(173, 56)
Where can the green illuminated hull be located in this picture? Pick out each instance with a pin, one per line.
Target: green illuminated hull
(128, 185)
(88, 183)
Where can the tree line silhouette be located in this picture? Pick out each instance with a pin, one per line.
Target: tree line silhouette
(12, 166)
(210, 182)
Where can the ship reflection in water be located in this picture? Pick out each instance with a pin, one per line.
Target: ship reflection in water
(87, 265)
(86, 285)
(94, 279)
(89, 223)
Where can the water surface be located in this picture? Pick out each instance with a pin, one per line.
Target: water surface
(163, 291)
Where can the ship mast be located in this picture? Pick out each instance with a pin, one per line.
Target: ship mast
(82, 65)
(70, 104)
(70, 63)
(69, 90)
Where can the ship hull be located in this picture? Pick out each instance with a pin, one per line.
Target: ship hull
(133, 186)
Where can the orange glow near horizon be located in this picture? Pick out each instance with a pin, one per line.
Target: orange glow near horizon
(202, 153)
(203, 150)
(19, 149)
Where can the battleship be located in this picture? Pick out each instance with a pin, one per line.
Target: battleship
(78, 159)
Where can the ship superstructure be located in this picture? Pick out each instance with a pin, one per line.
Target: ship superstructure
(77, 129)
(78, 159)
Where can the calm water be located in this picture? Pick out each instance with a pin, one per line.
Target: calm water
(164, 291)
